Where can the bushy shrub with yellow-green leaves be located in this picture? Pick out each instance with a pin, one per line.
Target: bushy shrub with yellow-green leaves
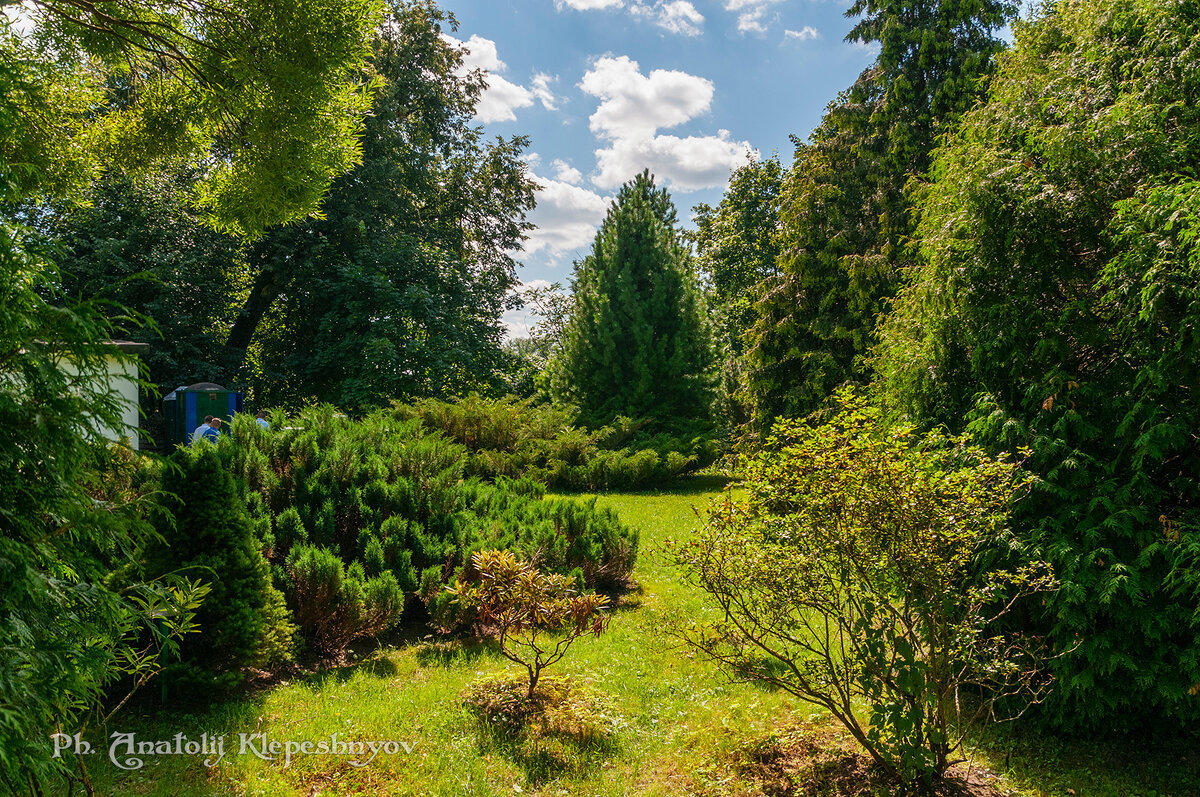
(536, 616)
(848, 577)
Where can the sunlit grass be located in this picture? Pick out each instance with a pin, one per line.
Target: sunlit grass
(680, 725)
(677, 714)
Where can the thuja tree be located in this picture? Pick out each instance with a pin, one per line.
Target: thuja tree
(1057, 309)
(847, 577)
(66, 634)
(635, 343)
(737, 252)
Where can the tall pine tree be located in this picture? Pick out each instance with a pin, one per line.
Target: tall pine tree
(846, 218)
(636, 344)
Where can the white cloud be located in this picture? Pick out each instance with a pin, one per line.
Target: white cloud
(869, 49)
(673, 16)
(502, 98)
(588, 5)
(687, 164)
(566, 217)
(751, 14)
(806, 33)
(634, 105)
(566, 173)
(517, 323)
(541, 90)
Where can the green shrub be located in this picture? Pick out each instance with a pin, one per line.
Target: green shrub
(536, 616)
(848, 577)
(335, 604)
(518, 438)
(206, 534)
(385, 495)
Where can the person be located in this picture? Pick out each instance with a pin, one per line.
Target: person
(213, 431)
(262, 419)
(201, 429)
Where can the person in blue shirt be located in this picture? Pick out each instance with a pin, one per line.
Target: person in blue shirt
(201, 429)
(213, 432)
(262, 419)
(209, 430)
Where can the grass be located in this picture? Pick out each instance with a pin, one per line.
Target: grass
(679, 726)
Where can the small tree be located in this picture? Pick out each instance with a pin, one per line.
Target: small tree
(526, 607)
(849, 575)
(205, 533)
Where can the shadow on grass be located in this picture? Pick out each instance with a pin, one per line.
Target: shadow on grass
(1160, 761)
(565, 729)
(448, 652)
(688, 485)
(546, 756)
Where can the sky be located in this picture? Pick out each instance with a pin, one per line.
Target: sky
(687, 88)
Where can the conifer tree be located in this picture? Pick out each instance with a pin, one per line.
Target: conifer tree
(635, 344)
(208, 535)
(846, 219)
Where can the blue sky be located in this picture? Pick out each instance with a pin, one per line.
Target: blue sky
(686, 88)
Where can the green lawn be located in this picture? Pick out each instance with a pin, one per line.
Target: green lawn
(678, 722)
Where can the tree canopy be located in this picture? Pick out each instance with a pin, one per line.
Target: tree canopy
(267, 98)
(395, 291)
(1056, 308)
(846, 222)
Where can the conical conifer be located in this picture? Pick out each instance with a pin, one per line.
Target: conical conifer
(636, 343)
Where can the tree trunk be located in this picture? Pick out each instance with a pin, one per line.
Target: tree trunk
(263, 293)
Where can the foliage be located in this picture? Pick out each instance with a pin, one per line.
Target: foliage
(737, 251)
(537, 616)
(268, 96)
(69, 516)
(590, 545)
(385, 500)
(849, 575)
(846, 222)
(205, 533)
(140, 243)
(635, 344)
(1057, 310)
(397, 290)
(123, 87)
(335, 604)
(521, 439)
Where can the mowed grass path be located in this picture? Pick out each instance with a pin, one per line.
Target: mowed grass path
(677, 717)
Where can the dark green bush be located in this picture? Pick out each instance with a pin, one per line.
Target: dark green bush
(386, 501)
(335, 604)
(207, 534)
